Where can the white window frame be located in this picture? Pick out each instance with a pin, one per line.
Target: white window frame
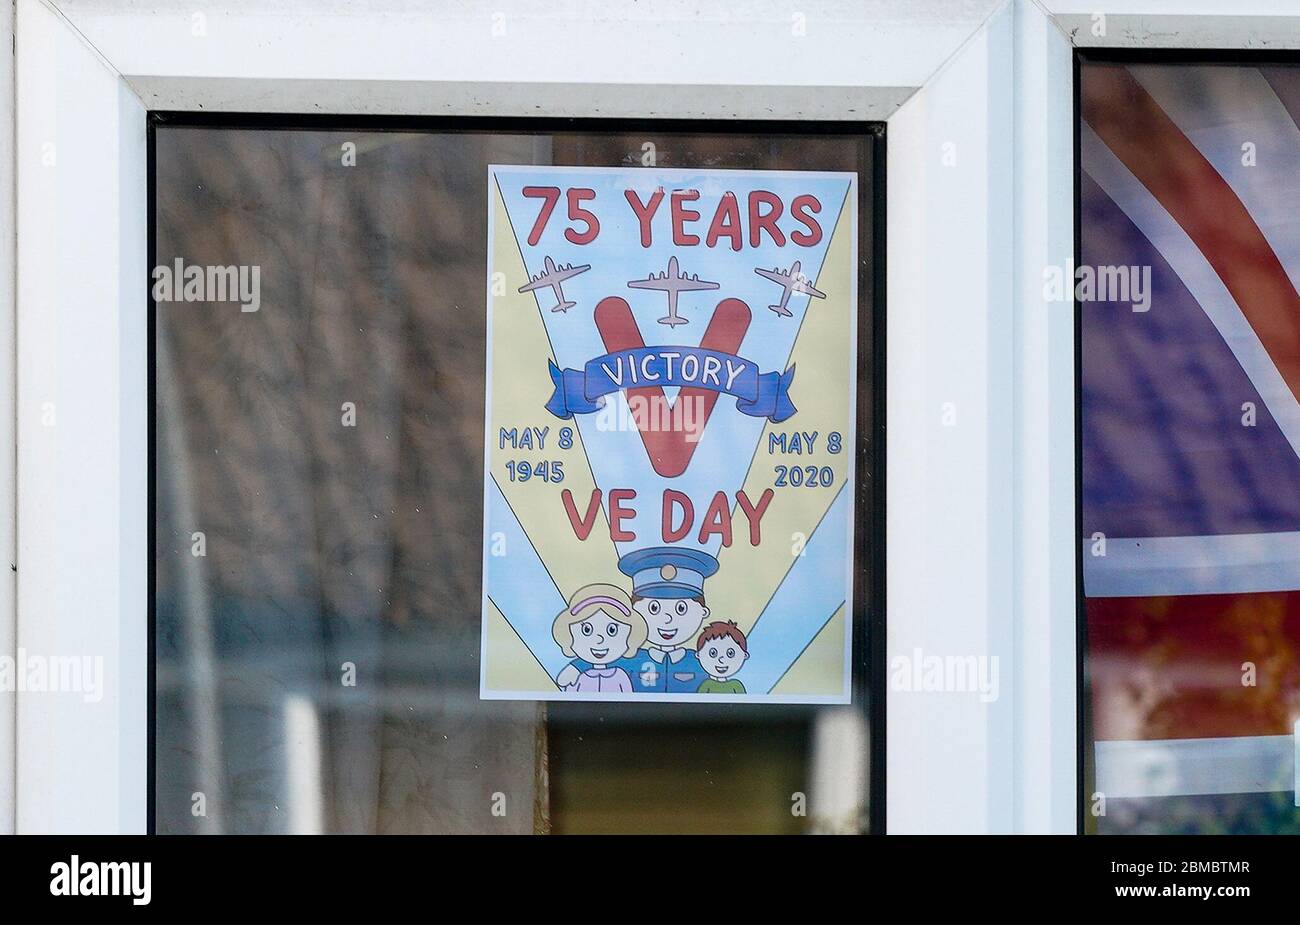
(980, 509)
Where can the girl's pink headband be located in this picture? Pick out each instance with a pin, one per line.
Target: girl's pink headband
(586, 602)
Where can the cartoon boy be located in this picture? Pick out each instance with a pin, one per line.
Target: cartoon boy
(598, 629)
(722, 650)
(668, 592)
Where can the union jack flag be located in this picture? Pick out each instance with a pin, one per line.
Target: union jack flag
(1191, 434)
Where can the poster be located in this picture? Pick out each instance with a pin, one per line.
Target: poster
(669, 447)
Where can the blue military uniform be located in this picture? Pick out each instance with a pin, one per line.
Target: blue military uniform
(665, 676)
(667, 573)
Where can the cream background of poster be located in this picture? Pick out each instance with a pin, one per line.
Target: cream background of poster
(820, 669)
(510, 664)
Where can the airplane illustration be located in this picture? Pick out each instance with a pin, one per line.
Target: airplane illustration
(553, 276)
(793, 281)
(672, 282)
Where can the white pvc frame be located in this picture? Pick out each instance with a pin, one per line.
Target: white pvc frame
(980, 372)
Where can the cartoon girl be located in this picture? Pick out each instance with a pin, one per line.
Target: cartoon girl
(598, 628)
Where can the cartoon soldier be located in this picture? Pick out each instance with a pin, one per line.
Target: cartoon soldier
(668, 591)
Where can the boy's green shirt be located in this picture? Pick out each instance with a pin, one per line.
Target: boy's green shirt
(714, 686)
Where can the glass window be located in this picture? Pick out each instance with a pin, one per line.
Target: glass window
(1189, 256)
(325, 657)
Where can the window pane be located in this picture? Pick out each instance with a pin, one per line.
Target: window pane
(319, 495)
(1188, 192)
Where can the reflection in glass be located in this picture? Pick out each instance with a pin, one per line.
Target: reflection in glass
(318, 498)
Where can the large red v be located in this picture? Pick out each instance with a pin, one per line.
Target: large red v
(669, 435)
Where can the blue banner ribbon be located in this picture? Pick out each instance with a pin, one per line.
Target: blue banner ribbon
(582, 391)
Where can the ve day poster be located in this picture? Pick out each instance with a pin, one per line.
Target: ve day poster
(669, 456)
